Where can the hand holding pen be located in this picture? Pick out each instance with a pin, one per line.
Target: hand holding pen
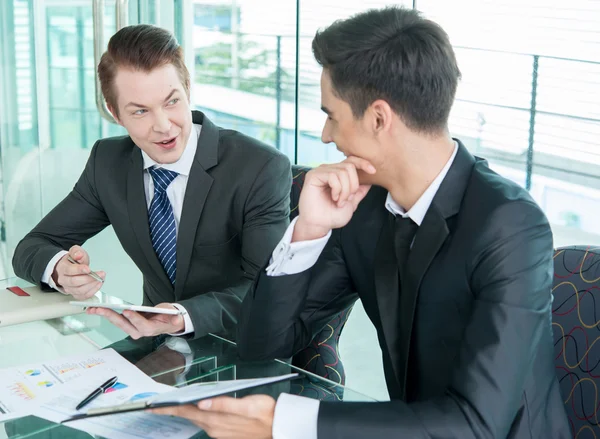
(72, 274)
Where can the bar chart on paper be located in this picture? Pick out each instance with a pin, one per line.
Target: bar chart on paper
(23, 385)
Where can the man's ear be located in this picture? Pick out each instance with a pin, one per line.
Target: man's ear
(114, 114)
(382, 115)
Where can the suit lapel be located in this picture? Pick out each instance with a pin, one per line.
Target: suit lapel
(196, 193)
(138, 216)
(430, 236)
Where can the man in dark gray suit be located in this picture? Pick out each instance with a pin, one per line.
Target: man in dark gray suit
(452, 262)
(197, 208)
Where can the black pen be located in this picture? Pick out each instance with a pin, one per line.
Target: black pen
(99, 391)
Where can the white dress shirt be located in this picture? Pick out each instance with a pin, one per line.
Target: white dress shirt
(175, 194)
(296, 416)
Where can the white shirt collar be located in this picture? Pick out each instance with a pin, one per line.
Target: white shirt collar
(419, 209)
(184, 164)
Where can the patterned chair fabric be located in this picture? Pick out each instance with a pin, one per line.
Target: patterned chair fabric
(575, 324)
(321, 357)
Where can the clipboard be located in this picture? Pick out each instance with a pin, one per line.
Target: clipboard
(182, 396)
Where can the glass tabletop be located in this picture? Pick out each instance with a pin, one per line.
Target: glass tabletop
(168, 360)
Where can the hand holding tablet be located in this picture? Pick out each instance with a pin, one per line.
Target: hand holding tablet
(123, 307)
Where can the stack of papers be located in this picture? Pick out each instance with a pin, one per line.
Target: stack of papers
(53, 389)
(21, 387)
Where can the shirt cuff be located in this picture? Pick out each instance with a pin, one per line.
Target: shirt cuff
(295, 257)
(189, 326)
(47, 275)
(295, 417)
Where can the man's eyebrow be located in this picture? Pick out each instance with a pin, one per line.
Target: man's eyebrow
(143, 106)
(171, 94)
(326, 110)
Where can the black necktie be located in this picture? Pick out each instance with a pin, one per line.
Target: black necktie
(392, 252)
(404, 232)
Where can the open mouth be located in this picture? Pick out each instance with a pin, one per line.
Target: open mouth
(167, 144)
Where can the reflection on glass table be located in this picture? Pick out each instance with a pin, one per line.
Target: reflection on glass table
(168, 360)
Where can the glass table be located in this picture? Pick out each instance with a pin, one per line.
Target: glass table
(210, 358)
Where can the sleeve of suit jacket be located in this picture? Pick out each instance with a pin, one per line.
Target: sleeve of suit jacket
(73, 221)
(266, 214)
(282, 314)
(511, 282)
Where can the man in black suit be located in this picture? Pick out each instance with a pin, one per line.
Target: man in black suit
(197, 208)
(453, 263)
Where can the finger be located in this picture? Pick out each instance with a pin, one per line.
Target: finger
(165, 305)
(76, 281)
(183, 411)
(104, 312)
(74, 250)
(319, 176)
(119, 321)
(336, 187)
(362, 164)
(178, 410)
(70, 269)
(176, 321)
(344, 179)
(85, 293)
(79, 254)
(226, 404)
(141, 323)
(353, 176)
(360, 194)
(214, 424)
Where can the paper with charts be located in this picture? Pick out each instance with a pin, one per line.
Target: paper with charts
(22, 386)
(82, 375)
(133, 385)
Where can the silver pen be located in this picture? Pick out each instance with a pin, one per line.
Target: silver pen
(91, 273)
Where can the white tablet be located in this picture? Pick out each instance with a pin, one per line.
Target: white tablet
(122, 307)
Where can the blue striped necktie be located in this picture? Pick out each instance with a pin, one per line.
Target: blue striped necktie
(162, 221)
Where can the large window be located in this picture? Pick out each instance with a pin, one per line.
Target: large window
(528, 100)
(245, 57)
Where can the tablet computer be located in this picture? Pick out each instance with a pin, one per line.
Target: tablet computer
(123, 307)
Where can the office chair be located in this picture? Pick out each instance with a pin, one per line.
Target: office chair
(576, 330)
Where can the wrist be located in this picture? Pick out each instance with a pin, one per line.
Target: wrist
(180, 325)
(308, 232)
(54, 277)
